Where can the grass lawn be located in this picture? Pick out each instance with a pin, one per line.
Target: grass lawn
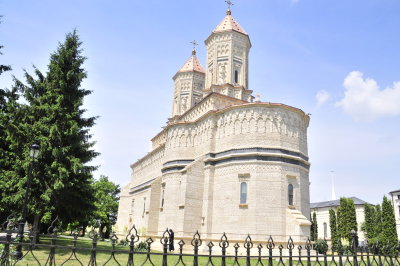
(64, 255)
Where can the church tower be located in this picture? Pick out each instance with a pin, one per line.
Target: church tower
(188, 85)
(228, 60)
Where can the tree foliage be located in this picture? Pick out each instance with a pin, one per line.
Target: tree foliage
(106, 203)
(347, 220)
(333, 227)
(52, 116)
(314, 227)
(3, 68)
(380, 223)
(369, 226)
(389, 234)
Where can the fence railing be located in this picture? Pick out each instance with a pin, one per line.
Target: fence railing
(58, 250)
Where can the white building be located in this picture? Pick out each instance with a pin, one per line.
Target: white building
(321, 210)
(223, 163)
(396, 206)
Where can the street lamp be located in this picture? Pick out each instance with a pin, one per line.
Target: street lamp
(34, 153)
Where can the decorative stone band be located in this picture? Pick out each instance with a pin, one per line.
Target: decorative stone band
(257, 150)
(258, 154)
(242, 155)
(175, 165)
(141, 187)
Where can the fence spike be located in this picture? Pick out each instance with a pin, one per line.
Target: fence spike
(290, 244)
(132, 237)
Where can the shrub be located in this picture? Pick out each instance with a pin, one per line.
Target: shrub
(321, 246)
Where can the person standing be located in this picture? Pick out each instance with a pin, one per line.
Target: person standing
(171, 240)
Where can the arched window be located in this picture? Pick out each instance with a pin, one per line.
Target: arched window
(325, 230)
(243, 193)
(236, 76)
(290, 194)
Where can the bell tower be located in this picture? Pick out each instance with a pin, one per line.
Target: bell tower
(188, 85)
(228, 49)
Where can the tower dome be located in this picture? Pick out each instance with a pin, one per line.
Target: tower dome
(228, 49)
(188, 85)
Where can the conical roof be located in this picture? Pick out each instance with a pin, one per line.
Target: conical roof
(229, 24)
(192, 64)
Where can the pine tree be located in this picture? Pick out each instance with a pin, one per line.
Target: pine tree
(333, 226)
(54, 118)
(389, 234)
(378, 224)
(315, 223)
(312, 228)
(369, 222)
(3, 68)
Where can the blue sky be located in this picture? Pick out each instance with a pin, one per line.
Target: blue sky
(336, 59)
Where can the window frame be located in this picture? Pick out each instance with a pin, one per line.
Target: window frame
(291, 194)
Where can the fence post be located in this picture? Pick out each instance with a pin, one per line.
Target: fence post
(259, 247)
(325, 251)
(223, 244)
(164, 241)
(354, 245)
(340, 252)
(210, 246)
(196, 242)
(248, 245)
(290, 247)
(132, 237)
(270, 247)
(308, 248)
(5, 255)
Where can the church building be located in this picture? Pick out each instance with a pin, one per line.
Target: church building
(225, 162)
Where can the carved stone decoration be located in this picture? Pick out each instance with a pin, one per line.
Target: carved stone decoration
(222, 74)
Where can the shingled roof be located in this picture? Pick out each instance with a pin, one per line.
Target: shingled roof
(229, 24)
(335, 203)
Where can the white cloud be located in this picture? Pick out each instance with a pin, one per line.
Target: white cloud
(363, 99)
(322, 96)
(293, 2)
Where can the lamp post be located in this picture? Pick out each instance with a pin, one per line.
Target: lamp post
(34, 153)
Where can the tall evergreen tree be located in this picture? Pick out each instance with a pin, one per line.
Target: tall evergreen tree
(389, 234)
(347, 220)
(377, 222)
(369, 226)
(312, 228)
(54, 118)
(3, 68)
(333, 226)
(315, 224)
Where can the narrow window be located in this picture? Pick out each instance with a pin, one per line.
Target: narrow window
(144, 206)
(243, 193)
(162, 195)
(290, 194)
(325, 230)
(132, 206)
(236, 76)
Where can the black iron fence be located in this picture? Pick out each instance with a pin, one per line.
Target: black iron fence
(55, 249)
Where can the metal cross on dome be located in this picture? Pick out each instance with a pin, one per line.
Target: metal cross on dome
(229, 3)
(194, 44)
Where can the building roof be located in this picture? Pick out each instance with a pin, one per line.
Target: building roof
(229, 24)
(335, 203)
(192, 64)
(395, 191)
